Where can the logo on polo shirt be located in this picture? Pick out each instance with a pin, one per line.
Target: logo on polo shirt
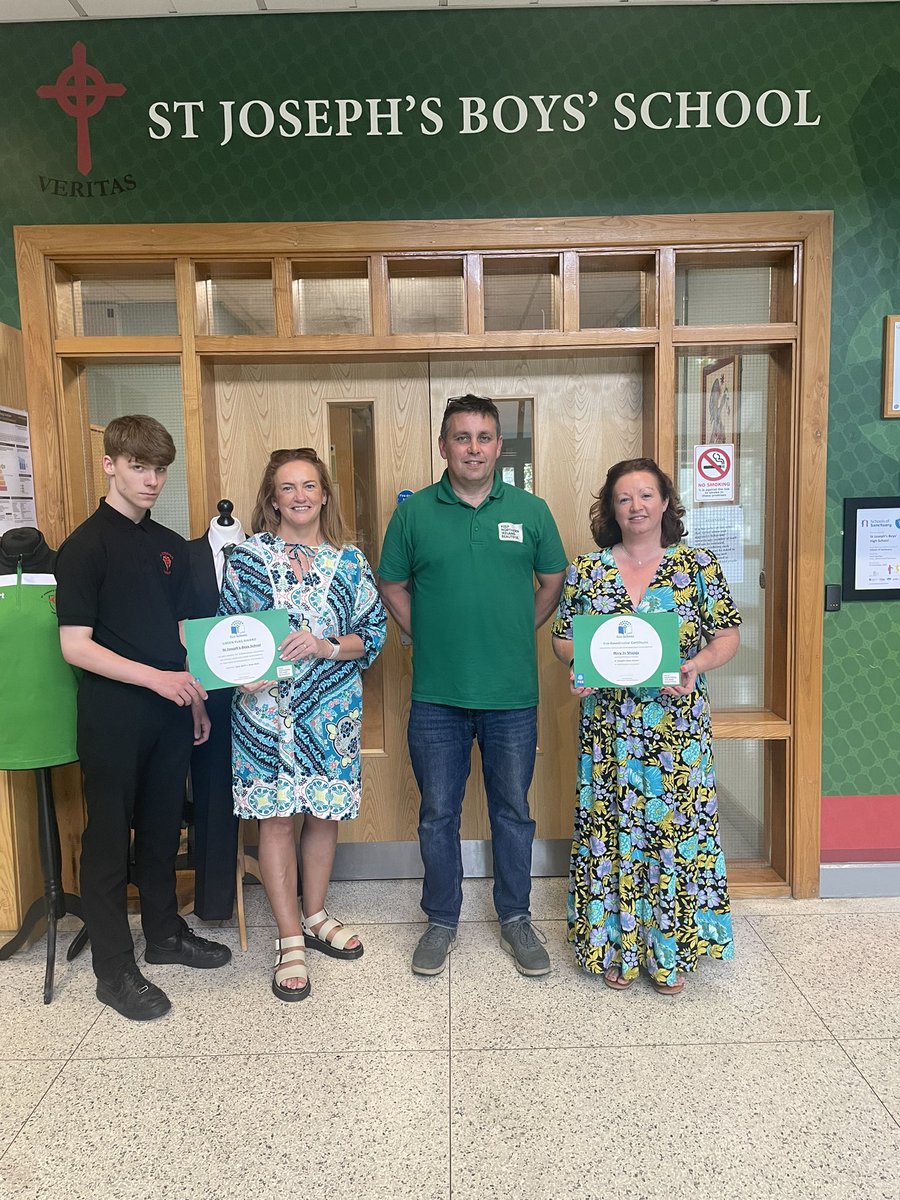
(509, 532)
(167, 560)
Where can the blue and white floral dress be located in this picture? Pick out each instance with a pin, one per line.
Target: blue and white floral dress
(647, 885)
(296, 744)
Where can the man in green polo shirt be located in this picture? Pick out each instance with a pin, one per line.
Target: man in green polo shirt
(457, 573)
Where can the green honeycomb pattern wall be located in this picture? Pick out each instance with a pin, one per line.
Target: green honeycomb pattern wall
(838, 148)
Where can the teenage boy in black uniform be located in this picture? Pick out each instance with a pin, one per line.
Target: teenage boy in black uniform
(123, 589)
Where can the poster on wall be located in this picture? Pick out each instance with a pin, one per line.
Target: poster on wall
(721, 531)
(720, 423)
(872, 548)
(714, 473)
(721, 394)
(16, 482)
(891, 403)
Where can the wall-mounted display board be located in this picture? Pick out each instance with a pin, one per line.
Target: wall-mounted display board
(872, 548)
(890, 403)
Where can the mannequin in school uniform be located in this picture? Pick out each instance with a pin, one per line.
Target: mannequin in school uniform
(215, 825)
(37, 709)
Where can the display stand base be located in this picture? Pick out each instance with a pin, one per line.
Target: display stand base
(55, 903)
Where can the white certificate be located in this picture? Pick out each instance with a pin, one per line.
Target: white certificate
(243, 648)
(627, 650)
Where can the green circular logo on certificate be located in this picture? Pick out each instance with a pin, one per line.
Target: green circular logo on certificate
(626, 651)
(239, 649)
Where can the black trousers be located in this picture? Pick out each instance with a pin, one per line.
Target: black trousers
(134, 748)
(215, 825)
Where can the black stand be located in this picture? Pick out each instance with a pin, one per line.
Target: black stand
(54, 903)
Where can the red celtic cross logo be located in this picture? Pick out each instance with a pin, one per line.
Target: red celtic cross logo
(81, 91)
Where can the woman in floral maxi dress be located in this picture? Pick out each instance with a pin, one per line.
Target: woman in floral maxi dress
(647, 885)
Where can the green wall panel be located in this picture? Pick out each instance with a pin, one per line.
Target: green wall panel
(844, 56)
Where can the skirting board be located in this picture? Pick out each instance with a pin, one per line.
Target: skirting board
(550, 857)
(854, 880)
(401, 860)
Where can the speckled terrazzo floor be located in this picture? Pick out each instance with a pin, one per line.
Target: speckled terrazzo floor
(774, 1076)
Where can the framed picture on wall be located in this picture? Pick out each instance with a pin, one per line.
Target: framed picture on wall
(890, 404)
(871, 548)
(721, 398)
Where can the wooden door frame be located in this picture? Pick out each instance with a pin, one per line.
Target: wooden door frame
(59, 461)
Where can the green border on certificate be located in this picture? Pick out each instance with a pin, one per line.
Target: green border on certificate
(243, 648)
(626, 650)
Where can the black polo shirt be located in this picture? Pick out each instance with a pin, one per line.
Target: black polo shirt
(128, 581)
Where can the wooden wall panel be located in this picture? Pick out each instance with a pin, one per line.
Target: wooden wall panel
(20, 866)
(20, 875)
(811, 441)
(12, 367)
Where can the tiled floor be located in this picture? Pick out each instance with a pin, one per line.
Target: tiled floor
(777, 1075)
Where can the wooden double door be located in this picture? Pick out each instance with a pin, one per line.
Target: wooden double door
(565, 419)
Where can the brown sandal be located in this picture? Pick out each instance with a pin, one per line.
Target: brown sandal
(612, 977)
(668, 989)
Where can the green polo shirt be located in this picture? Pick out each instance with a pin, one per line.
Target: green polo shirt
(471, 573)
(37, 699)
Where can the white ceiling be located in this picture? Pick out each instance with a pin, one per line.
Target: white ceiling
(79, 10)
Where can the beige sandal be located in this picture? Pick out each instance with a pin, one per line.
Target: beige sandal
(290, 963)
(337, 947)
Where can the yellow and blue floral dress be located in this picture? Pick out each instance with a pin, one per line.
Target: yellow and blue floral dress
(647, 884)
(296, 744)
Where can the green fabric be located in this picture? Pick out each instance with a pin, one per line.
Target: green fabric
(37, 699)
(472, 585)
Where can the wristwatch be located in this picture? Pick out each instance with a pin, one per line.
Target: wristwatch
(336, 647)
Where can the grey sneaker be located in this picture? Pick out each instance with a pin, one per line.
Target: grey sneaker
(524, 943)
(430, 956)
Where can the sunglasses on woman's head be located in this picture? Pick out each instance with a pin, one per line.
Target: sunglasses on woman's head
(302, 450)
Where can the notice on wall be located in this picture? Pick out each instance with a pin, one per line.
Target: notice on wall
(16, 482)
(895, 378)
(877, 549)
(721, 531)
(713, 473)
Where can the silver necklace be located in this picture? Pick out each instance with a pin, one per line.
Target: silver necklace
(641, 561)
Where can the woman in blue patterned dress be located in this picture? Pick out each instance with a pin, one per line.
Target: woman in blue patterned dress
(647, 885)
(296, 743)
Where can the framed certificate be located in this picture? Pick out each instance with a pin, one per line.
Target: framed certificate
(227, 651)
(871, 548)
(617, 650)
(890, 405)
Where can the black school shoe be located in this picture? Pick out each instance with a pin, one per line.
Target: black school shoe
(188, 950)
(133, 996)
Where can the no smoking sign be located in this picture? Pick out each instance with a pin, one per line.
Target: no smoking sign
(713, 473)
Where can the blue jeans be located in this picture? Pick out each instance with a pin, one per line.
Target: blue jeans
(440, 747)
